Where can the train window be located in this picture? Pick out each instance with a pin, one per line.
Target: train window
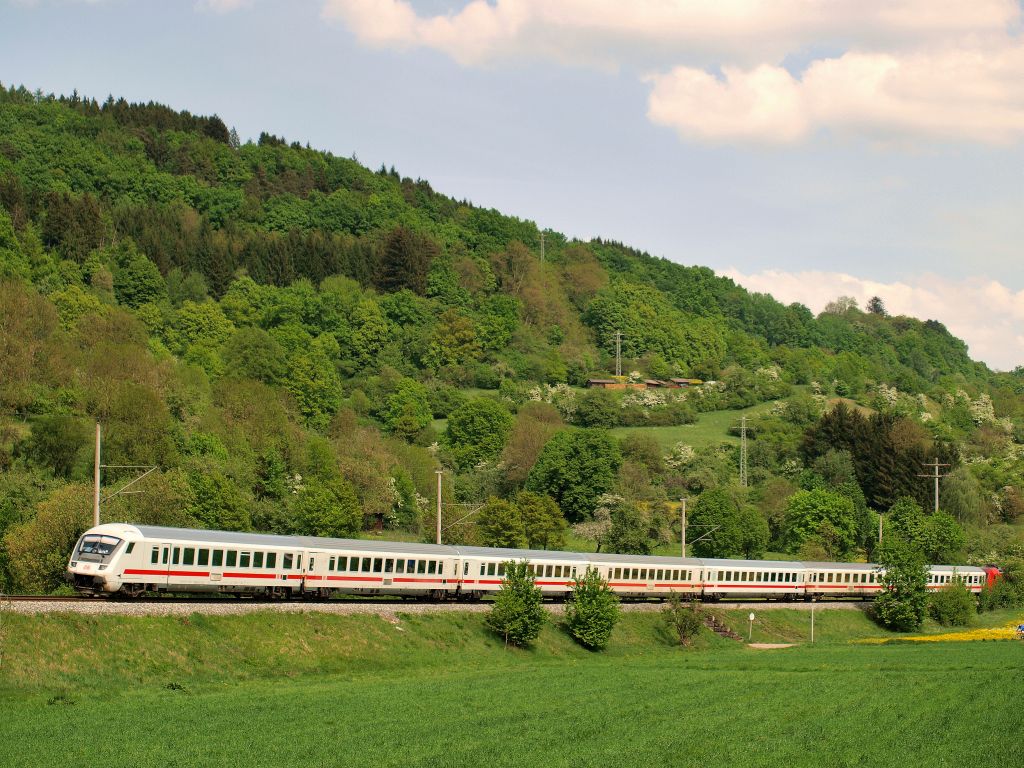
(558, 571)
(501, 568)
(483, 569)
(378, 563)
(129, 548)
(257, 560)
(244, 559)
(163, 558)
(421, 566)
(204, 557)
(365, 568)
(846, 578)
(574, 572)
(465, 568)
(218, 558)
(153, 555)
(176, 556)
(617, 573)
(399, 566)
(491, 567)
(188, 557)
(389, 565)
(298, 562)
(232, 558)
(271, 559)
(287, 564)
(330, 565)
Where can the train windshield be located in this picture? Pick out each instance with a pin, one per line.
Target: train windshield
(97, 547)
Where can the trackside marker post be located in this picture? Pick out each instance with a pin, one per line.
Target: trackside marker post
(750, 633)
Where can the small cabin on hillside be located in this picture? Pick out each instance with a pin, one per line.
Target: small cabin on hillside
(683, 383)
(605, 384)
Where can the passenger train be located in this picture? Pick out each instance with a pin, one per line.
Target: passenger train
(130, 560)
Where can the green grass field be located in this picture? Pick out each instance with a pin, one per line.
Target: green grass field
(710, 428)
(323, 690)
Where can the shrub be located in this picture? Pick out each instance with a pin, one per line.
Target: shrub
(593, 612)
(903, 600)
(953, 605)
(683, 618)
(518, 612)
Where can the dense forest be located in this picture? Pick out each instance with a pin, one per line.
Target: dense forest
(298, 343)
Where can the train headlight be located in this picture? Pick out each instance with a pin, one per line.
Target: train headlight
(74, 564)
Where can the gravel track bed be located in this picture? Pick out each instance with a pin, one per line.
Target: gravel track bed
(230, 608)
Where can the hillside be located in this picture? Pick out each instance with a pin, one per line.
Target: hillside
(277, 329)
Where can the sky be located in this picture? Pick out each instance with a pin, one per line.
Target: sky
(804, 148)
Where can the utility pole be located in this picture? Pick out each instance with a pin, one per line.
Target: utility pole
(145, 469)
(96, 481)
(543, 278)
(934, 475)
(682, 520)
(438, 473)
(743, 451)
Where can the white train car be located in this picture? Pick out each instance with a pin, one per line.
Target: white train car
(133, 559)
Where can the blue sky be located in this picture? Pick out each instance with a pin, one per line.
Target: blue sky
(806, 148)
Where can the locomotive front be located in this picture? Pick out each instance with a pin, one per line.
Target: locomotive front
(94, 565)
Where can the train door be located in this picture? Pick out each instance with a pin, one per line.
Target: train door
(311, 580)
(162, 571)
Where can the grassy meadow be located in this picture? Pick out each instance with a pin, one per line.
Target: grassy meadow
(437, 690)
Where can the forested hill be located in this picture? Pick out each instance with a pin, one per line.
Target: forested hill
(284, 332)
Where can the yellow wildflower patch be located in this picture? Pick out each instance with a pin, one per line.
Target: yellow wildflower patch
(1005, 632)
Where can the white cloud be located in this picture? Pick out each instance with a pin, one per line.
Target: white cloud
(983, 312)
(619, 32)
(941, 69)
(222, 6)
(971, 94)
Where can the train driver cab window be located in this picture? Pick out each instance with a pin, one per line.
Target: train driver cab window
(154, 555)
(244, 560)
(218, 558)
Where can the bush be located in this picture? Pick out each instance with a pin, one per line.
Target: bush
(683, 618)
(902, 603)
(593, 612)
(518, 612)
(1007, 591)
(953, 605)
